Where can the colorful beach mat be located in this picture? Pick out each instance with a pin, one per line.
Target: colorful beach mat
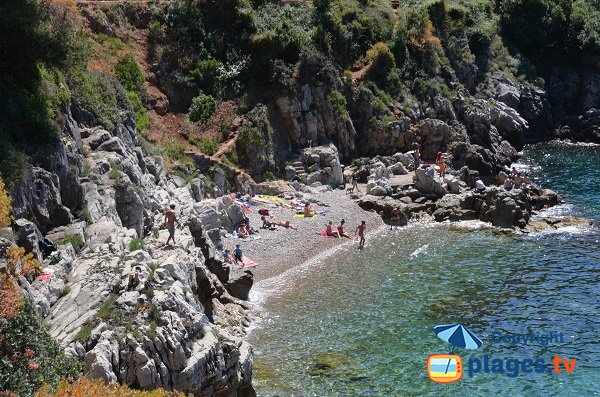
(303, 216)
(247, 262)
(236, 236)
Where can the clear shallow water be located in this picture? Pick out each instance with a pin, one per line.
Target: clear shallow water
(361, 324)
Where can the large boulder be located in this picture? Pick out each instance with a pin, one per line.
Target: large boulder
(505, 208)
(130, 206)
(231, 213)
(28, 236)
(309, 116)
(239, 283)
(427, 182)
(38, 199)
(326, 159)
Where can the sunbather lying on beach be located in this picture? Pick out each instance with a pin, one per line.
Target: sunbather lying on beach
(271, 225)
(267, 224)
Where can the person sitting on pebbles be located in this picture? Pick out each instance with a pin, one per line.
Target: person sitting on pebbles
(243, 231)
(330, 232)
(508, 184)
(227, 256)
(341, 231)
(308, 210)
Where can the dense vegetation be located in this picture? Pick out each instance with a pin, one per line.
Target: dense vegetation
(84, 387)
(29, 357)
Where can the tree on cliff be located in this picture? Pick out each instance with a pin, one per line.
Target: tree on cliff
(30, 37)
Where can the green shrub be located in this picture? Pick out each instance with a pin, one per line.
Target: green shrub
(114, 172)
(269, 176)
(130, 74)
(100, 94)
(149, 148)
(155, 232)
(87, 169)
(84, 215)
(75, 240)
(205, 74)
(207, 144)
(348, 28)
(84, 333)
(202, 108)
(135, 244)
(338, 102)
(382, 62)
(29, 357)
(142, 118)
(256, 130)
(176, 152)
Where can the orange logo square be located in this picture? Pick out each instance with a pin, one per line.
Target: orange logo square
(444, 368)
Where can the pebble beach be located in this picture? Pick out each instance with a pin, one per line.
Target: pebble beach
(279, 250)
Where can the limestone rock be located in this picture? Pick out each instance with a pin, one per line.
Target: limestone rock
(129, 206)
(428, 183)
(239, 283)
(28, 236)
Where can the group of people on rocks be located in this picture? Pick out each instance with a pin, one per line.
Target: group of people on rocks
(517, 180)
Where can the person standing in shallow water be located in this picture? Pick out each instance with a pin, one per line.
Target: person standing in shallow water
(361, 230)
(170, 219)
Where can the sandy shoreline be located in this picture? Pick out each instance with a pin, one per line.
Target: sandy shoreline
(278, 251)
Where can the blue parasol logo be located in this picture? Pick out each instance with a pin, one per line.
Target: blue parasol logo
(458, 336)
(447, 368)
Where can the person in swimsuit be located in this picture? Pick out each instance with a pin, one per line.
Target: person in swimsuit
(308, 211)
(440, 162)
(170, 220)
(361, 229)
(354, 181)
(237, 254)
(396, 216)
(227, 256)
(340, 229)
(134, 278)
(329, 230)
(416, 155)
(508, 184)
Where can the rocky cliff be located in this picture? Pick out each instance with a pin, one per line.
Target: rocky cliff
(101, 199)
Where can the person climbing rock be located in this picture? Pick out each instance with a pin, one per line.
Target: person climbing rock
(170, 220)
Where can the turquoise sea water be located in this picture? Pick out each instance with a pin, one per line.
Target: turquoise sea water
(360, 323)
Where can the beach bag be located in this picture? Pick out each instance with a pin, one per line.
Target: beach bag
(263, 212)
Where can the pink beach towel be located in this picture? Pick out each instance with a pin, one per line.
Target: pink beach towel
(324, 233)
(247, 262)
(46, 276)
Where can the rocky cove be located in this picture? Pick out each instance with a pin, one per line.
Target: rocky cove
(183, 328)
(128, 142)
